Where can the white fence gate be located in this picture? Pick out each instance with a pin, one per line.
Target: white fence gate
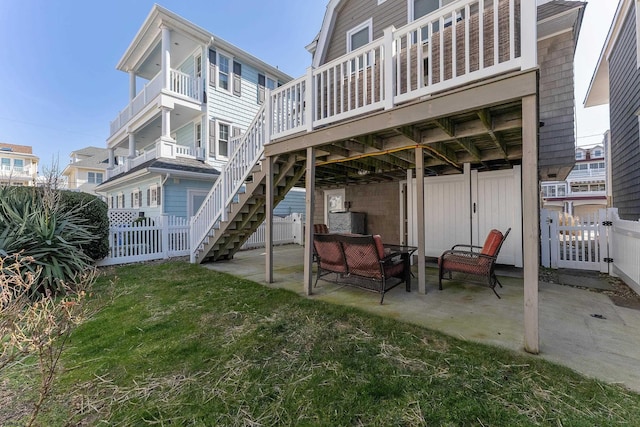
(575, 242)
(285, 230)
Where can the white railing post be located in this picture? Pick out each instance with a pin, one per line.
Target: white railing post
(545, 257)
(309, 100)
(164, 239)
(528, 34)
(268, 118)
(388, 59)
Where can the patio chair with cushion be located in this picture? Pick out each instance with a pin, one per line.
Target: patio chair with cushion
(474, 260)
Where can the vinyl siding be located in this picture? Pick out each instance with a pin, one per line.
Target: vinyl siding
(185, 135)
(175, 195)
(624, 80)
(355, 12)
(142, 186)
(187, 66)
(557, 136)
(239, 111)
(293, 202)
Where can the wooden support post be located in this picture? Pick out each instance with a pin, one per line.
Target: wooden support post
(530, 221)
(422, 244)
(309, 209)
(268, 238)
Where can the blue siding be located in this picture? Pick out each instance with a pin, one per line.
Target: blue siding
(142, 186)
(175, 194)
(293, 202)
(187, 66)
(185, 136)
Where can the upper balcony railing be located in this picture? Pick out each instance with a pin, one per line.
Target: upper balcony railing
(162, 148)
(17, 172)
(464, 42)
(179, 84)
(587, 174)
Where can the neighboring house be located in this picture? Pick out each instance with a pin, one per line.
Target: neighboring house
(190, 94)
(615, 81)
(584, 191)
(425, 115)
(18, 165)
(87, 168)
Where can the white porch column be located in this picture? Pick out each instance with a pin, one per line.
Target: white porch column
(309, 209)
(268, 220)
(530, 221)
(132, 146)
(112, 158)
(166, 56)
(132, 85)
(422, 242)
(166, 122)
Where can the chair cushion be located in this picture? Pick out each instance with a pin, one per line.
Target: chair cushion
(379, 245)
(320, 229)
(492, 243)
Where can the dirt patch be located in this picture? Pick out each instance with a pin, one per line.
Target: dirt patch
(620, 293)
(13, 404)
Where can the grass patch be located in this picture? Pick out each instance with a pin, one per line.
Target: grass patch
(183, 345)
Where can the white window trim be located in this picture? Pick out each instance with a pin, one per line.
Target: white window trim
(197, 134)
(120, 200)
(136, 198)
(410, 9)
(217, 124)
(229, 71)
(366, 24)
(153, 196)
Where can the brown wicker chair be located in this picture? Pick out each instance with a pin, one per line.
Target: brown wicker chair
(476, 260)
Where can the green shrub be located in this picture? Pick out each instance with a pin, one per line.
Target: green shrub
(36, 224)
(95, 211)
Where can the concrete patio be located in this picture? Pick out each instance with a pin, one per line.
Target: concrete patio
(580, 329)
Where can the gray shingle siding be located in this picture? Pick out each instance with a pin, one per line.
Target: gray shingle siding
(624, 81)
(557, 136)
(355, 12)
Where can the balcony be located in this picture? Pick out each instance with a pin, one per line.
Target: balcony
(598, 174)
(17, 172)
(180, 85)
(163, 148)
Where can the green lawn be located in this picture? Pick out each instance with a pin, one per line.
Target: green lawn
(182, 345)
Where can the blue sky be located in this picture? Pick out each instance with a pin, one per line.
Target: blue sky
(60, 88)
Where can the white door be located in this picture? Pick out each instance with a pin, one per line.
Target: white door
(462, 209)
(496, 203)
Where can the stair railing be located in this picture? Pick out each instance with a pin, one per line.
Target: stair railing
(232, 177)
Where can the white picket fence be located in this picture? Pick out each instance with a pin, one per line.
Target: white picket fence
(146, 239)
(285, 230)
(624, 250)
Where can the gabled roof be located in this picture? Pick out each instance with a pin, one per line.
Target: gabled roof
(598, 92)
(548, 10)
(179, 167)
(91, 158)
(149, 35)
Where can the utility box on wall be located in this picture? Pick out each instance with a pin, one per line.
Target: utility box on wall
(347, 222)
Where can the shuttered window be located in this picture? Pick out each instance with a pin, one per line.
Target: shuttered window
(223, 140)
(223, 72)
(213, 69)
(237, 78)
(262, 81)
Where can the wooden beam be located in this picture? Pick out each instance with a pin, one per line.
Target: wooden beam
(422, 243)
(495, 91)
(448, 127)
(485, 118)
(268, 236)
(310, 187)
(530, 222)
(439, 150)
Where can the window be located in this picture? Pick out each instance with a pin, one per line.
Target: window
(420, 8)
(18, 165)
(579, 155)
(358, 37)
(198, 135)
(136, 196)
(213, 61)
(95, 177)
(597, 152)
(6, 164)
(223, 72)
(198, 67)
(223, 140)
(153, 196)
(237, 78)
(120, 201)
(265, 82)
(562, 190)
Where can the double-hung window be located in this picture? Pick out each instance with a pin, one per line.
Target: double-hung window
(223, 140)
(153, 196)
(6, 164)
(223, 73)
(94, 177)
(18, 165)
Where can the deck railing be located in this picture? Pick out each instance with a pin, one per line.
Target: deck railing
(179, 83)
(466, 41)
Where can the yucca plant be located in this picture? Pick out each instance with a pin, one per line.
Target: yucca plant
(37, 225)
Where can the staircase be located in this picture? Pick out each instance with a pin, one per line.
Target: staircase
(236, 205)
